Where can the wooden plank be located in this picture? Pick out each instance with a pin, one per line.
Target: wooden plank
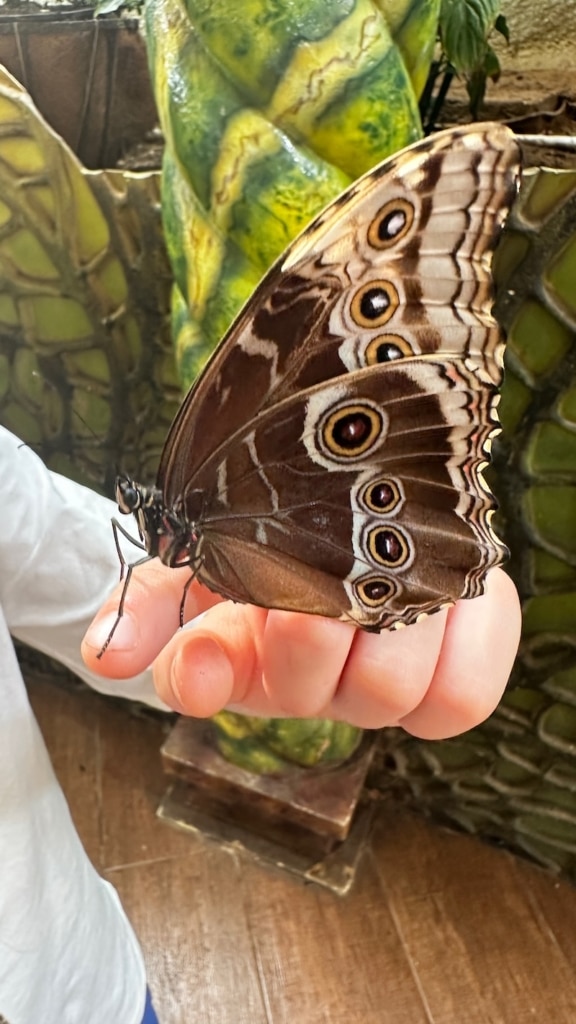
(132, 784)
(188, 914)
(553, 903)
(328, 960)
(467, 924)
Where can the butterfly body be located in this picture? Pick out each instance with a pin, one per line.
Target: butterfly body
(329, 459)
(166, 533)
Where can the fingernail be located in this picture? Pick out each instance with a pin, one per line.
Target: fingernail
(126, 633)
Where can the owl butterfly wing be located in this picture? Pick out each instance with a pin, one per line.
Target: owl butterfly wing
(361, 498)
(397, 266)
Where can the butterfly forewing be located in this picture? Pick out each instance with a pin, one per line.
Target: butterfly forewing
(299, 328)
(331, 453)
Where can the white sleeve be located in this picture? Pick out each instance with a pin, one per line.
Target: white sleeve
(58, 562)
(67, 952)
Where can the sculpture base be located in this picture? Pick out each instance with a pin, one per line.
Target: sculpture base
(311, 822)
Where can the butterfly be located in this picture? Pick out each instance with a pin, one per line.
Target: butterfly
(330, 457)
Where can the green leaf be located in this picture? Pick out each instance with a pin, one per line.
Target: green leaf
(491, 64)
(476, 87)
(464, 27)
(501, 26)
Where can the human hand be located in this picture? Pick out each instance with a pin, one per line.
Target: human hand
(437, 678)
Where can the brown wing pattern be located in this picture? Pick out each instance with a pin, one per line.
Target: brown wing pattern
(373, 524)
(332, 451)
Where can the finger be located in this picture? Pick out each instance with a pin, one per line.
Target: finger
(262, 662)
(478, 651)
(214, 663)
(302, 659)
(151, 615)
(387, 674)
(291, 665)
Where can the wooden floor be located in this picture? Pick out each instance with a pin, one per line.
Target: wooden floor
(438, 928)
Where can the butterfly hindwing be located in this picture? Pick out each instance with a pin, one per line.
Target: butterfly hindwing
(355, 480)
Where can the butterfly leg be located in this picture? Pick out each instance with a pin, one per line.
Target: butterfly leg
(195, 570)
(117, 529)
(129, 570)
